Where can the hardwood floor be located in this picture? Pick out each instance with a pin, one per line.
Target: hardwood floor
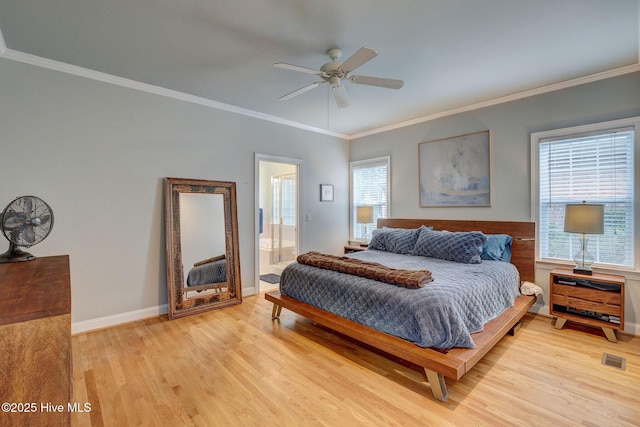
(235, 366)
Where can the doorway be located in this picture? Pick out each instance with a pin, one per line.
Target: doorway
(278, 217)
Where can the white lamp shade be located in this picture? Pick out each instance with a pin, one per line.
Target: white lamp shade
(364, 214)
(584, 218)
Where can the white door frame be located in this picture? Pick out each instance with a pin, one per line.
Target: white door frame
(259, 157)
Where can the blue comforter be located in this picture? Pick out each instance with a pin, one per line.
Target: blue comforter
(442, 314)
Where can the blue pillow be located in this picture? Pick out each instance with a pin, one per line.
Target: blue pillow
(378, 239)
(396, 240)
(498, 247)
(463, 247)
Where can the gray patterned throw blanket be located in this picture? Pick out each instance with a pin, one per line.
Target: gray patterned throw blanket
(442, 314)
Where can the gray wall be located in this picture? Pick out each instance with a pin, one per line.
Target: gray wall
(97, 153)
(510, 125)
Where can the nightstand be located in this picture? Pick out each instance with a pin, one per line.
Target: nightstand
(354, 248)
(594, 300)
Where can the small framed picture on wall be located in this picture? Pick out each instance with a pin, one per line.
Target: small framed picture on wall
(326, 192)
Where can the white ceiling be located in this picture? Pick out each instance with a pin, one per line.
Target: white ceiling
(450, 53)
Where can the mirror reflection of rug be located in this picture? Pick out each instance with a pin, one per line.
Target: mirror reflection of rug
(270, 278)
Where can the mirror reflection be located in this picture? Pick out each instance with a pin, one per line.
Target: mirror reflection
(203, 244)
(202, 252)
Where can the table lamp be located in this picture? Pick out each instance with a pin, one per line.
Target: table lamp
(585, 219)
(364, 215)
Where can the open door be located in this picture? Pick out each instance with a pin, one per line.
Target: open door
(278, 189)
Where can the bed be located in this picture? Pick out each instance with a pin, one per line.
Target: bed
(207, 273)
(459, 356)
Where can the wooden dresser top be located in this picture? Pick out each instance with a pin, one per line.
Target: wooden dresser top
(34, 289)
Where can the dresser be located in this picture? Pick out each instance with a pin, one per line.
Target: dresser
(35, 342)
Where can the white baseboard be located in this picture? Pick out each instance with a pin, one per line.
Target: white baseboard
(539, 309)
(117, 319)
(629, 328)
(130, 316)
(248, 291)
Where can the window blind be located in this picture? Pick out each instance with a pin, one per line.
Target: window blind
(596, 167)
(369, 181)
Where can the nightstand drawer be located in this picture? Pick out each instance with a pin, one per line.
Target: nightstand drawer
(588, 294)
(587, 299)
(582, 304)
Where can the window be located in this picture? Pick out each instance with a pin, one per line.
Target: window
(591, 163)
(284, 198)
(369, 187)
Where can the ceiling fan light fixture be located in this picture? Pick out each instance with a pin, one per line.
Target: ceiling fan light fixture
(331, 68)
(334, 54)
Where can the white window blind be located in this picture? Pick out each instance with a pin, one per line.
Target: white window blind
(369, 187)
(596, 167)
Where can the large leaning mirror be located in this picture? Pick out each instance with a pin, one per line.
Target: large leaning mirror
(203, 263)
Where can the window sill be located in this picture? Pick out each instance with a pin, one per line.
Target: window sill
(628, 273)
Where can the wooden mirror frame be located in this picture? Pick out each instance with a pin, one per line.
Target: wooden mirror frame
(178, 306)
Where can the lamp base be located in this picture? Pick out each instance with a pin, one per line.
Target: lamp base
(583, 258)
(580, 270)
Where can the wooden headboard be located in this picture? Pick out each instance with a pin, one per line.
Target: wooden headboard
(523, 233)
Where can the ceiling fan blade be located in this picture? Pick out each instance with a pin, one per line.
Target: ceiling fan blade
(377, 81)
(364, 54)
(340, 93)
(299, 91)
(297, 68)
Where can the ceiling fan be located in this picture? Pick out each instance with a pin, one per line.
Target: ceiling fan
(336, 73)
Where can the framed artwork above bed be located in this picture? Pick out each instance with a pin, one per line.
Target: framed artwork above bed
(455, 171)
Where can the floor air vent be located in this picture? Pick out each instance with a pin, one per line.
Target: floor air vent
(614, 361)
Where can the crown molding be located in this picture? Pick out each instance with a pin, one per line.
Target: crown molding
(156, 90)
(3, 45)
(513, 97)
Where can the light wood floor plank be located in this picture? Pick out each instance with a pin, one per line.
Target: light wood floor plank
(235, 366)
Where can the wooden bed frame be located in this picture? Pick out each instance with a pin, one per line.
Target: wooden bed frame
(437, 365)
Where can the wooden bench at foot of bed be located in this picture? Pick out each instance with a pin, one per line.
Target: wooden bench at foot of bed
(437, 365)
